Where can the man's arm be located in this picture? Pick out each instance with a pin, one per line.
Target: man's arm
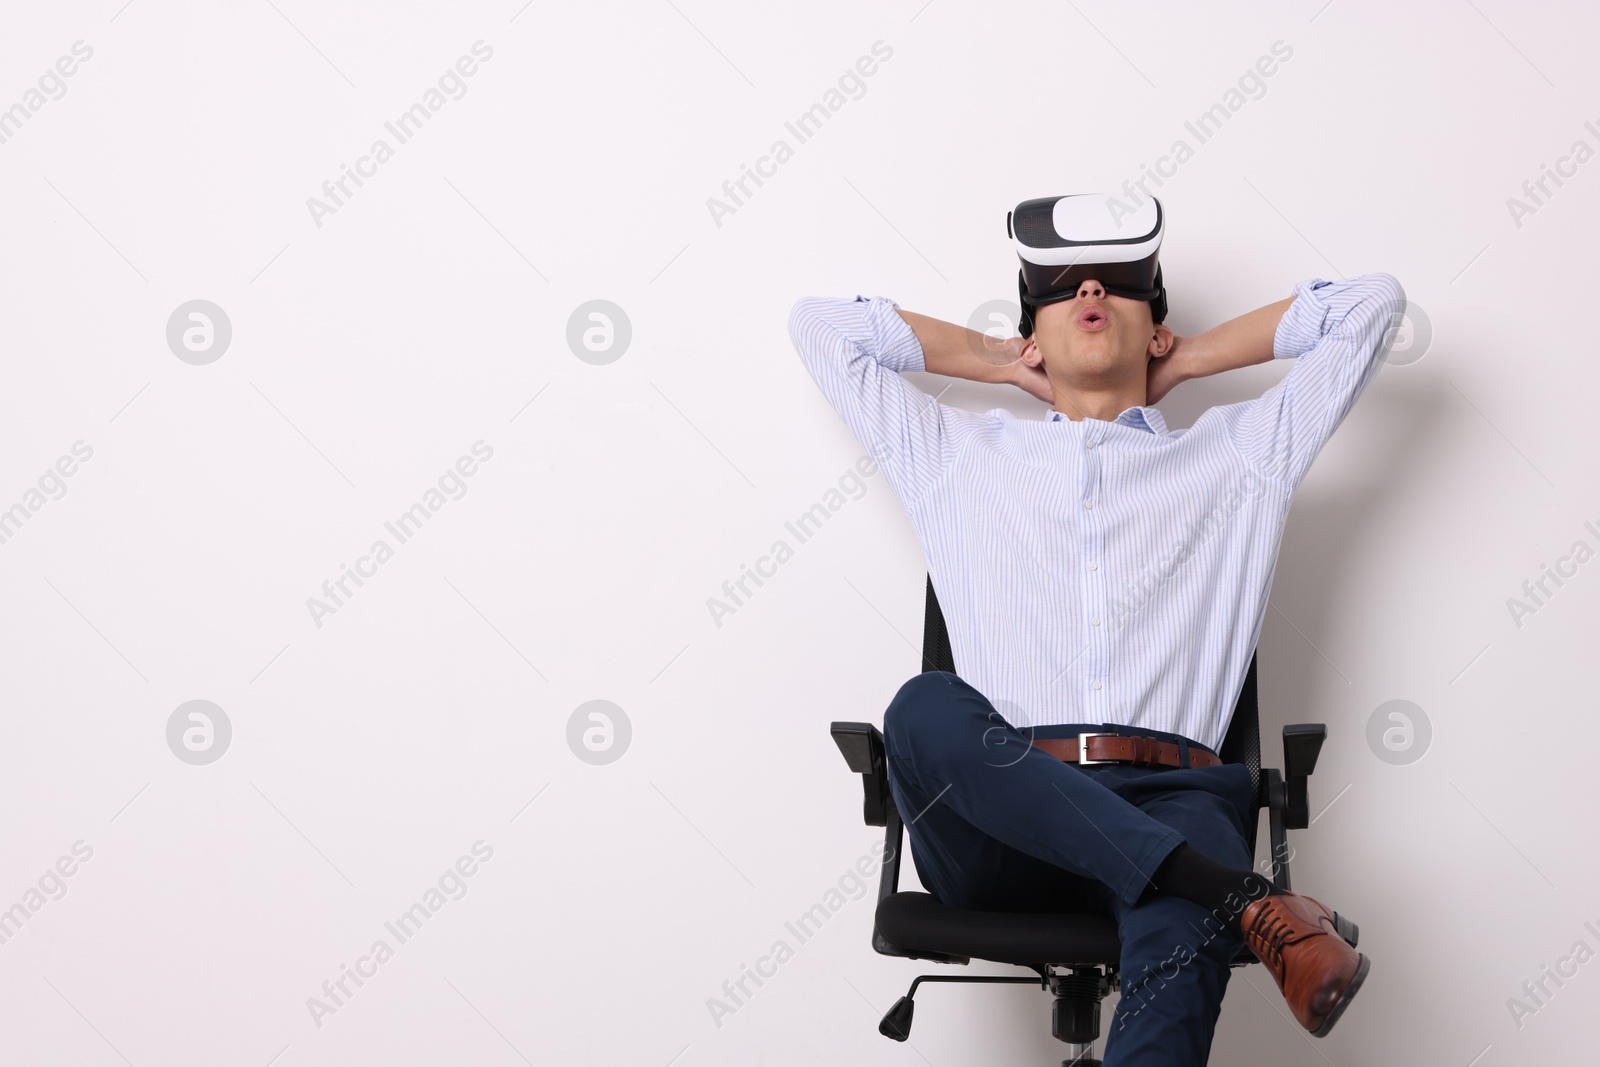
(1336, 332)
(1240, 342)
(958, 352)
(855, 350)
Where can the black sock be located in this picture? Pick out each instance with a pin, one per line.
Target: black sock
(1222, 890)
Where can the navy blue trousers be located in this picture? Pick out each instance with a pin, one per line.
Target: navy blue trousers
(999, 825)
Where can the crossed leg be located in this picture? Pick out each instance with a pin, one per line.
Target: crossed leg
(999, 825)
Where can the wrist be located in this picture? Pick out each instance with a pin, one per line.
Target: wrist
(1188, 357)
(1015, 373)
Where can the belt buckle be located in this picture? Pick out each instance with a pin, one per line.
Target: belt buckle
(1083, 750)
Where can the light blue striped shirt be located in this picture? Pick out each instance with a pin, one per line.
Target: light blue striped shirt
(1094, 571)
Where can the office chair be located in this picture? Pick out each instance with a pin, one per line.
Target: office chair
(1075, 957)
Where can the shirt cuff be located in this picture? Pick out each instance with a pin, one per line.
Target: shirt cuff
(898, 347)
(1301, 326)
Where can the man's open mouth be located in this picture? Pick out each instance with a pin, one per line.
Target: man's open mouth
(1093, 318)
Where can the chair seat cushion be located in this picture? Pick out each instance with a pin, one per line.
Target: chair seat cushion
(917, 923)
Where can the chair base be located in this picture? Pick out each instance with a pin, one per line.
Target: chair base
(1075, 1013)
(1075, 1016)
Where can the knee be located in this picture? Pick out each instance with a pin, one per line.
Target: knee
(923, 699)
(929, 684)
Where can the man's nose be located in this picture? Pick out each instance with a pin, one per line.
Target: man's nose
(1091, 287)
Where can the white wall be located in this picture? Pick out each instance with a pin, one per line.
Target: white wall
(429, 312)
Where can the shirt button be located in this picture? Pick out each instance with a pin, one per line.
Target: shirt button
(1097, 683)
(1088, 503)
(1095, 621)
(1094, 566)
(1088, 444)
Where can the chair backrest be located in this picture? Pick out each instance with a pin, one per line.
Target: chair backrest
(1241, 745)
(936, 654)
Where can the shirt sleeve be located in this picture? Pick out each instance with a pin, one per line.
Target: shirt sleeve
(855, 349)
(1337, 333)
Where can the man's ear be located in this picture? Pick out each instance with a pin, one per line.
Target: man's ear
(1161, 342)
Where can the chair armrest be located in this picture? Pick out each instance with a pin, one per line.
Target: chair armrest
(1302, 743)
(1286, 795)
(861, 744)
(1278, 837)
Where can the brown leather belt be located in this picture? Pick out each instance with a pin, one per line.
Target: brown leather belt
(1139, 750)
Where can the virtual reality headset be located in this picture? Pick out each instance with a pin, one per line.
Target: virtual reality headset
(1063, 240)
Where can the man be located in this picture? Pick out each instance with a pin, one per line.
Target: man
(1100, 573)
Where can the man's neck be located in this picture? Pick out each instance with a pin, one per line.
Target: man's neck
(1102, 404)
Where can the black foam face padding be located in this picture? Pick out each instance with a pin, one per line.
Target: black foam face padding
(1158, 303)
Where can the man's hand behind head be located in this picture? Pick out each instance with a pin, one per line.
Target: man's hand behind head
(1030, 375)
(1167, 371)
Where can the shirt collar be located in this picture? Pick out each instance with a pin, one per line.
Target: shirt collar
(1140, 417)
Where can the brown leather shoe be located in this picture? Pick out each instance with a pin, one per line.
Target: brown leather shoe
(1299, 942)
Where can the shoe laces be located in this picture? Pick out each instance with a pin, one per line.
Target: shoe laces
(1270, 928)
